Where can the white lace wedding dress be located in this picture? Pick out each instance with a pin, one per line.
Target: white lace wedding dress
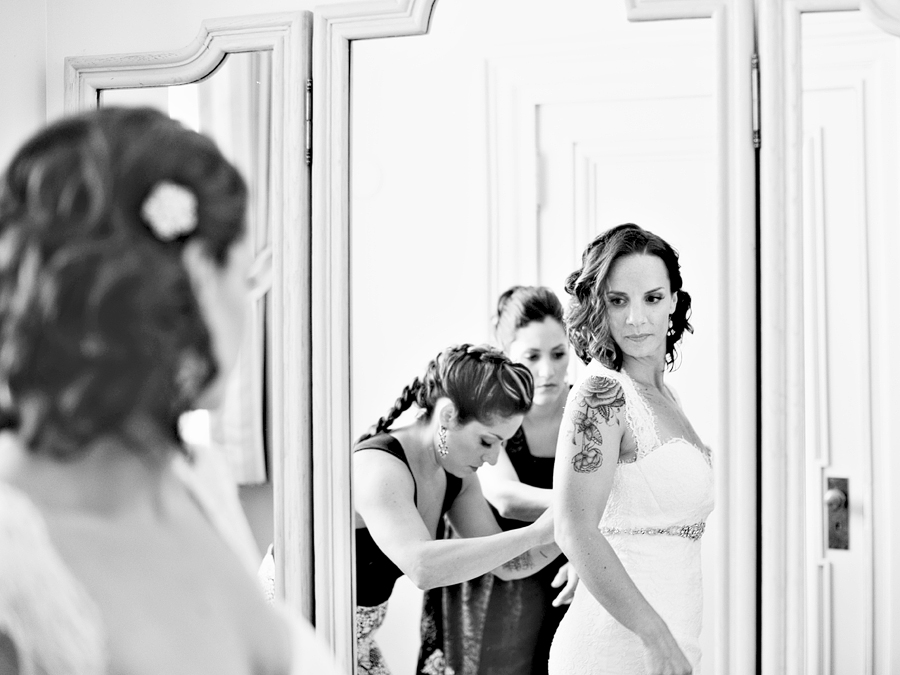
(654, 517)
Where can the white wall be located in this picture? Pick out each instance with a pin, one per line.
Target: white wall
(23, 43)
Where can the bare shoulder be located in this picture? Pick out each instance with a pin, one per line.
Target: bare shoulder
(374, 468)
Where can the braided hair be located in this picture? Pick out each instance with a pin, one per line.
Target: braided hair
(519, 306)
(479, 380)
(586, 321)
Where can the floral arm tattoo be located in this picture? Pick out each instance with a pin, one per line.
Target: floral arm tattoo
(596, 400)
(520, 562)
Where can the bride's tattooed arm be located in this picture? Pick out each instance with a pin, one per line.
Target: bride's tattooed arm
(596, 402)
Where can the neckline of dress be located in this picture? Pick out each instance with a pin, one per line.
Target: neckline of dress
(659, 443)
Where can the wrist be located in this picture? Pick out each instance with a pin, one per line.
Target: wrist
(654, 633)
(537, 535)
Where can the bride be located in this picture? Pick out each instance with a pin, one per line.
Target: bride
(629, 459)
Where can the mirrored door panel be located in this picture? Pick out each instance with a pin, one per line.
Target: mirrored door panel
(489, 153)
(233, 106)
(244, 82)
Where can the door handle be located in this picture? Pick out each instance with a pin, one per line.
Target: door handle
(837, 504)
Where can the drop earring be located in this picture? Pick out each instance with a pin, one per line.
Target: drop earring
(443, 450)
(189, 377)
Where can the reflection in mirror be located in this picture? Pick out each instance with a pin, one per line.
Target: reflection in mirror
(233, 106)
(243, 74)
(488, 153)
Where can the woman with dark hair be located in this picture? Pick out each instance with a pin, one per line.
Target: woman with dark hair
(471, 400)
(487, 625)
(631, 461)
(122, 299)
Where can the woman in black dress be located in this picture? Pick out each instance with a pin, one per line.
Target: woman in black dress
(488, 626)
(471, 401)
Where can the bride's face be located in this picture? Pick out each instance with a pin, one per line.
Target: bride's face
(638, 304)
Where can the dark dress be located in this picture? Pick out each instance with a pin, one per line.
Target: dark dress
(488, 626)
(375, 572)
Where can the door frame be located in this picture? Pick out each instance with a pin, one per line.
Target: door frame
(335, 27)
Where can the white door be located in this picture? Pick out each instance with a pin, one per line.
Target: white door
(851, 81)
(829, 213)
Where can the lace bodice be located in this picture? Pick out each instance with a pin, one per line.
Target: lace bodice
(654, 516)
(669, 485)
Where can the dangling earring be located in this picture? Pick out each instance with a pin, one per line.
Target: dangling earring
(443, 450)
(671, 330)
(189, 377)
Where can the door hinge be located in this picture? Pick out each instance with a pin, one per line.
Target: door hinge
(309, 95)
(754, 92)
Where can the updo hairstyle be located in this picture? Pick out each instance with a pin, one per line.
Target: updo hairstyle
(98, 319)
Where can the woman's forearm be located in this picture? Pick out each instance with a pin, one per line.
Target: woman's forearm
(451, 561)
(533, 560)
(516, 500)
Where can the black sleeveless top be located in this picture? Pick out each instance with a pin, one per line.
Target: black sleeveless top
(375, 572)
(531, 470)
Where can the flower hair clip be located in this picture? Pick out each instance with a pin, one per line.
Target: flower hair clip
(170, 210)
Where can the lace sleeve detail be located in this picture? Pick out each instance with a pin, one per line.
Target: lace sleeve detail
(638, 415)
(55, 627)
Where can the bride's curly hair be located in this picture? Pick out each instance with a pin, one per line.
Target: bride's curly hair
(586, 319)
(97, 312)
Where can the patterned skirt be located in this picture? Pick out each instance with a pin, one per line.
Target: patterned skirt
(369, 660)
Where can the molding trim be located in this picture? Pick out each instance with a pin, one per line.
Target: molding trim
(883, 13)
(781, 333)
(86, 76)
(336, 26)
(656, 10)
(287, 36)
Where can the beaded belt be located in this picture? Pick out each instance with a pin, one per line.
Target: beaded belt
(692, 532)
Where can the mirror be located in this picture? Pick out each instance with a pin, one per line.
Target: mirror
(233, 106)
(242, 81)
(489, 152)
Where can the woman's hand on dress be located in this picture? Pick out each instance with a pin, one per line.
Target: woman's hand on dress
(567, 577)
(664, 657)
